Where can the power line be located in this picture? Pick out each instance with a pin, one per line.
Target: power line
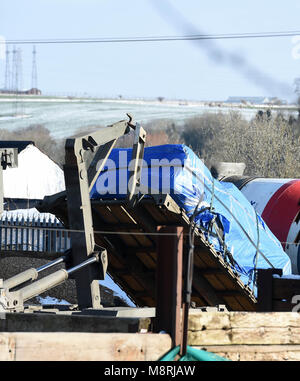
(7, 71)
(108, 232)
(156, 38)
(220, 56)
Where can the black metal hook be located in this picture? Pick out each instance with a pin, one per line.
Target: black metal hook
(133, 126)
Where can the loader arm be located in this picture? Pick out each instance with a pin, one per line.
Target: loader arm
(84, 160)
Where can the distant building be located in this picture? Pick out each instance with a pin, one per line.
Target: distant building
(32, 91)
(251, 100)
(257, 100)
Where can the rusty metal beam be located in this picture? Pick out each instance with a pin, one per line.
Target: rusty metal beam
(169, 282)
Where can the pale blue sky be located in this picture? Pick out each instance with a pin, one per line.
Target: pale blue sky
(181, 70)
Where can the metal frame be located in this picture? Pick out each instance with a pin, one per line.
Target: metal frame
(11, 300)
(85, 158)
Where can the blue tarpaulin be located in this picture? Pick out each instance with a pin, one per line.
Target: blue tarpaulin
(226, 217)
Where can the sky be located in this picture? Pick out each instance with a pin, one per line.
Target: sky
(202, 70)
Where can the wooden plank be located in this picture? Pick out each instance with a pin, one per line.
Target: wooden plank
(199, 262)
(145, 249)
(116, 258)
(235, 336)
(239, 302)
(242, 328)
(122, 216)
(172, 218)
(156, 214)
(233, 303)
(255, 352)
(253, 320)
(153, 256)
(229, 280)
(144, 254)
(129, 240)
(105, 215)
(132, 282)
(205, 257)
(79, 346)
(200, 302)
(236, 300)
(146, 259)
(211, 271)
(214, 281)
(202, 321)
(113, 261)
(205, 289)
(271, 319)
(142, 217)
(226, 280)
(7, 347)
(136, 273)
(145, 279)
(245, 303)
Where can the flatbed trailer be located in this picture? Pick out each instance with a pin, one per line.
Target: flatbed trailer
(130, 237)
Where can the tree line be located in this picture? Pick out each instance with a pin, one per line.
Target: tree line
(269, 144)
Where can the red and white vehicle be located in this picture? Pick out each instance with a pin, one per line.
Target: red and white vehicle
(278, 203)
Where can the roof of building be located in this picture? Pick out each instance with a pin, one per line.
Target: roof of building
(20, 144)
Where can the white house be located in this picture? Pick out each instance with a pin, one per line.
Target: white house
(35, 177)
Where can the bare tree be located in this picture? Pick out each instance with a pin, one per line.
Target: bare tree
(268, 145)
(42, 138)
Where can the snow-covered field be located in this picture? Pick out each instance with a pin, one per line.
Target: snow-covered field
(64, 117)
